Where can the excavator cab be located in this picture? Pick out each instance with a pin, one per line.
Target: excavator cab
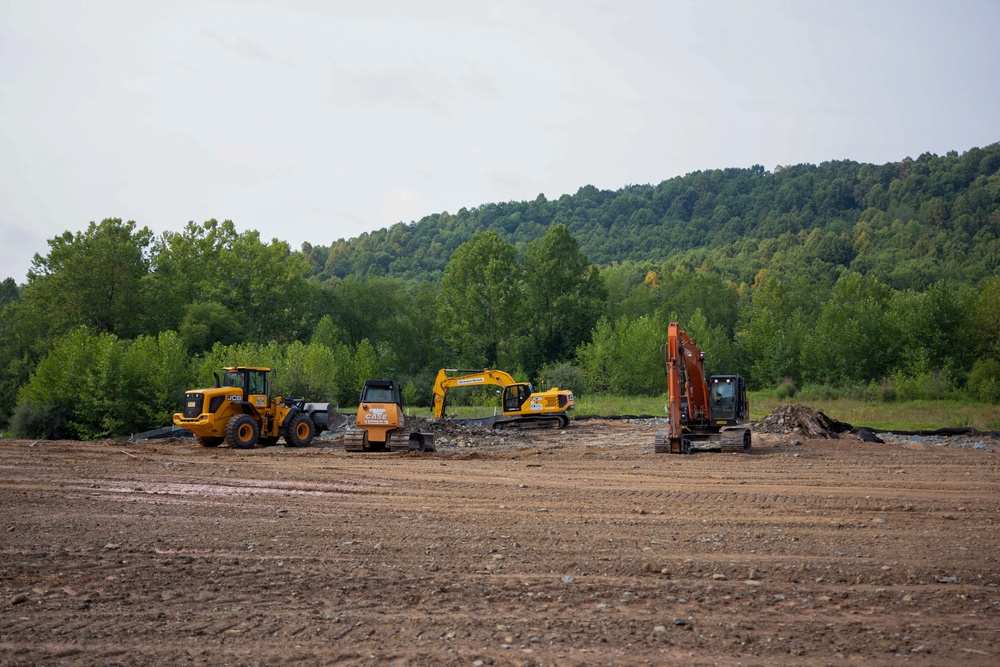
(729, 399)
(515, 395)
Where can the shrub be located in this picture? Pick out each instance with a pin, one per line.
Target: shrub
(932, 386)
(984, 380)
(564, 376)
(49, 421)
(786, 390)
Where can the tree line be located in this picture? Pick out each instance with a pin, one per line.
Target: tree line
(114, 323)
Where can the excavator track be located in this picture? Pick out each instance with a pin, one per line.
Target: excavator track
(354, 441)
(531, 421)
(661, 443)
(735, 441)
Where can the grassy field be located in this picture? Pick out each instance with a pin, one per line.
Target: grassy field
(903, 416)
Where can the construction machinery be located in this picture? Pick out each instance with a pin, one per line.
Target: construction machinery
(382, 424)
(240, 411)
(703, 415)
(521, 406)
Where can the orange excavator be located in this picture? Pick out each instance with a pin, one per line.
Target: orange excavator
(704, 414)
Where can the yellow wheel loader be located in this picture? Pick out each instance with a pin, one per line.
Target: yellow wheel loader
(240, 411)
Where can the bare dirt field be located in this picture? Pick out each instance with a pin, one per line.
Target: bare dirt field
(574, 547)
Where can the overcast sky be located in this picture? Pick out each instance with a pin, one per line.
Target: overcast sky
(313, 120)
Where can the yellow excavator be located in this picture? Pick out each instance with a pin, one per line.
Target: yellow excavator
(522, 407)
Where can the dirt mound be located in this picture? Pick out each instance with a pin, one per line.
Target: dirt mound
(798, 418)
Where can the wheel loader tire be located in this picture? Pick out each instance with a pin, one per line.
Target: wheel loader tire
(242, 432)
(300, 431)
(208, 441)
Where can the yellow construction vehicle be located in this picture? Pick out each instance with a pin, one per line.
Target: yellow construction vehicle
(522, 407)
(240, 411)
(382, 424)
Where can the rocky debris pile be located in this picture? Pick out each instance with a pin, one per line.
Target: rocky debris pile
(801, 419)
(447, 434)
(986, 442)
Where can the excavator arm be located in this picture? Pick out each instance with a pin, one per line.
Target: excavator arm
(685, 378)
(468, 378)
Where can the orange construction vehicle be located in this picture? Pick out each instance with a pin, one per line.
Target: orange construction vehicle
(710, 414)
(381, 424)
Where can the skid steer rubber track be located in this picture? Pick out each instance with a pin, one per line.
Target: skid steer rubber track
(735, 441)
(354, 441)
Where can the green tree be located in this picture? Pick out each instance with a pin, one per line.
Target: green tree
(205, 324)
(97, 385)
(9, 292)
(92, 278)
(262, 284)
(624, 357)
(987, 318)
(770, 335)
(563, 298)
(478, 302)
(857, 337)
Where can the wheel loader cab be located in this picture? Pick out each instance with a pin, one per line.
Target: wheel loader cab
(255, 383)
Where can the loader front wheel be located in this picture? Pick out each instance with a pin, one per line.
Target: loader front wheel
(300, 431)
(242, 432)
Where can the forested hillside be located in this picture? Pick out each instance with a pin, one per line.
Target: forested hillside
(907, 224)
(881, 281)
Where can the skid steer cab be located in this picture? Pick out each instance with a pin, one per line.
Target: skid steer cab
(241, 412)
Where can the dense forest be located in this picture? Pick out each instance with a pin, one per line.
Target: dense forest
(878, 280)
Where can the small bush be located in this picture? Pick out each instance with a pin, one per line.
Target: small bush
(930, 386)
(786, 390)
(820, 392)
(984, 380)
(44, 422)
(564, 376)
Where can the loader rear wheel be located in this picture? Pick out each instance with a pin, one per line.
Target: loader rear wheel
(299, 432)
(208, 441)
(242, 432)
